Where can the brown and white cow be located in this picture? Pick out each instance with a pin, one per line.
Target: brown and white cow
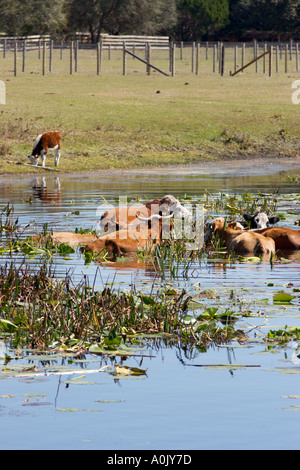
(243, 242)
(43, 143)
(130, 240)
(260, 220)
(122, 217)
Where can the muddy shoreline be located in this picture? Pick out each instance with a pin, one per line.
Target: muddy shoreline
(258, 166)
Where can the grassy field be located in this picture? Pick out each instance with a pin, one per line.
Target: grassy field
(111, 121)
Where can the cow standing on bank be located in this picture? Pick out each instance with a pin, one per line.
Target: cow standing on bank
(43, 143)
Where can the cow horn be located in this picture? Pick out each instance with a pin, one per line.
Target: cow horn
(155, 216)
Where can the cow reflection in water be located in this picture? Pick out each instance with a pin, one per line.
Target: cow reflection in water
(126, 264)
(44, 191)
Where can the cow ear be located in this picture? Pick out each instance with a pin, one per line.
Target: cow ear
(247, 217)
(274, 219)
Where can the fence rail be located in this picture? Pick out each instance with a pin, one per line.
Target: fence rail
(137, 41)
(202, 57)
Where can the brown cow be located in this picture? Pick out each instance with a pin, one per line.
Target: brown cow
(128, 240)
(284, 238)
(72, 239)
(236, 240)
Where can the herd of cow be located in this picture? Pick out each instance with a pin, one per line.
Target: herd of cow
(129, 229)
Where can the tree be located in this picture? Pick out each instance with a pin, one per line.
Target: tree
(199, 17)
(147, 17)
(23, 17)
(120, 16)
(92, 15)
(265, 18)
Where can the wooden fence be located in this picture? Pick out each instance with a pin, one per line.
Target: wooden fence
(116, 42)
(204, 57)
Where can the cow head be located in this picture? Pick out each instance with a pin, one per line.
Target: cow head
(33, 159)
(260, 220)
(171, 204)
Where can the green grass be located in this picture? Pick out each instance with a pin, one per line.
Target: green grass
(113, 121)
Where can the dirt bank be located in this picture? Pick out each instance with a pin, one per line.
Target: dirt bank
(258, 166)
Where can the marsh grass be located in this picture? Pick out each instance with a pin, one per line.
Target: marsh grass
(39, 311)
(8, 224)
(234, 205)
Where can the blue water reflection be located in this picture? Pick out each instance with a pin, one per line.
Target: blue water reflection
(185, 401)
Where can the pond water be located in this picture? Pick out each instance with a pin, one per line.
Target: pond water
(233, 397)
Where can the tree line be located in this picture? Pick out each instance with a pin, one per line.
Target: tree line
(182, 20)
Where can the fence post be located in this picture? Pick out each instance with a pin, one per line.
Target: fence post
(44, 58)
(124, 58)
(76, 55)
(286, 58)
(270, 61)
(71, 57)
(181, 50)
(39, 50)
(256, 55)
(170, 56)
(197, 57)
(277, 59)
(148, 58)
(222, 60)
(193, 57)
(99, 57)
(265, 50)
(235, 58)
(51, 55)
(61, 49)
(220, 57)
(173, 59)
(297, 57)
(214, 57)
(243, 54)
(15, 58)
(4, 48)
(24, 55)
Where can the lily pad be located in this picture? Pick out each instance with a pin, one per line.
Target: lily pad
(77, 381)
(126, 370)
(72, 410)
(283, 297)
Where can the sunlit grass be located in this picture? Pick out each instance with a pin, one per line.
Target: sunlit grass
(115, 121)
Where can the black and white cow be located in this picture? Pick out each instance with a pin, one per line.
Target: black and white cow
(259, 220)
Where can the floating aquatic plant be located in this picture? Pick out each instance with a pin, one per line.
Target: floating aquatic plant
(40, 311)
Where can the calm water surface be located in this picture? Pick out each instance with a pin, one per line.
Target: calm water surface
(184, 401)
